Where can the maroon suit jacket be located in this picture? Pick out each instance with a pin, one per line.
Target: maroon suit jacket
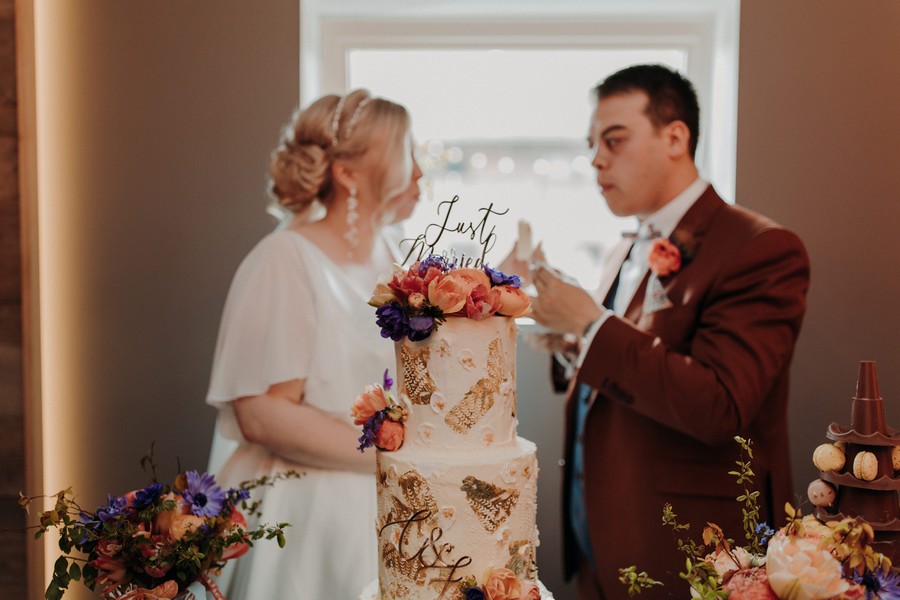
(673, 387)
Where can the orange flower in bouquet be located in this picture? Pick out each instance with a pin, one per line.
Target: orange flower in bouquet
(156, 541)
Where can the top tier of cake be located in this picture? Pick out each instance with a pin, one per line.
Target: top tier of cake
(461, 385)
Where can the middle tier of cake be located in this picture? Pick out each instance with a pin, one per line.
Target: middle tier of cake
(445, 516)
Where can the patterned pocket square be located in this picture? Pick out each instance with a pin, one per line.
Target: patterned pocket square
(655, 298)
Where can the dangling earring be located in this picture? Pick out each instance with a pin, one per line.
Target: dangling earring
(351, 235)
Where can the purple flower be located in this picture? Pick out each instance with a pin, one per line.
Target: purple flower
(436, 260)
(388, 382)
(474, 593)
(393, 321)
(878, 584)
(147, 496)
(236, 495)
(499, 278)
(370, 430)
(204, 496)
(420, 327)
(113, 508)
(764, 532)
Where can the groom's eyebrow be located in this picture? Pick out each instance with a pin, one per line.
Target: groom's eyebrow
(611, 129)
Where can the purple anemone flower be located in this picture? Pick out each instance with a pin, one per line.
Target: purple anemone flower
(114, 507)
(878, 585)
(393, 321)
(147, 496)
(500, 278)
(420, 327)
(474, 593)
(205, 497)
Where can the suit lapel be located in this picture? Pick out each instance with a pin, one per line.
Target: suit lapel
(687, 234)
(613, 265)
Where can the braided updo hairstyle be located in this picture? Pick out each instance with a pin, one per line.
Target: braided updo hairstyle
(300, 170)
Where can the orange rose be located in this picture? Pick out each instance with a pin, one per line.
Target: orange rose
(447, 293)
(501, 584)
(368, 403)
(513, 301)
(164, 519)
(482, 302)
(390, 436)
(665, 257)
(471, 278)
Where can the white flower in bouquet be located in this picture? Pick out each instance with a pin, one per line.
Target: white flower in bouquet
(799, 569)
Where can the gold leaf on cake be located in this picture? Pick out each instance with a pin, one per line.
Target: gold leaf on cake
(403, 567)
(490, 503)
(417, 493)
(417, 382)
(480, 397)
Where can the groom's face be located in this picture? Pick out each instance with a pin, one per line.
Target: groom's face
(630, 155)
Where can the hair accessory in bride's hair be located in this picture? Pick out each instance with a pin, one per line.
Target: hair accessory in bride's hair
(336, 120)
(355, 117)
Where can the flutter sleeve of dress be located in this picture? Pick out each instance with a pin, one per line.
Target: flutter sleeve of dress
(268, 327)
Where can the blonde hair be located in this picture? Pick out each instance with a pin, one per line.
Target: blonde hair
(300, 169)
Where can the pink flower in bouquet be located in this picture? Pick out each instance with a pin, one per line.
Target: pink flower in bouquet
(238, 525)
(724, 562)
(482, 302)
(750, 584)
(501, 584)
(447, 293)
(799, 570)
(390, 436)
(665, 257)
(513, 301)
(530, 591)
(368, 403)
(111, 571)
(405, 283)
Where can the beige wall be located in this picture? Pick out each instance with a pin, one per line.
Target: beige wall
(162, 115)
(819, 150)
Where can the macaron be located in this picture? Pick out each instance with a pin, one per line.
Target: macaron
(865, 466)
(821, 493)
(828, 457)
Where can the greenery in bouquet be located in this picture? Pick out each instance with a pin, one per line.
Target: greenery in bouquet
(804, 560)
(160, 538)
(414, 302)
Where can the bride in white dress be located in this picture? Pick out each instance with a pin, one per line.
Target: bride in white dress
(298, 343)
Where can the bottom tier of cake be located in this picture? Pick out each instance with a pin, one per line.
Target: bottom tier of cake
(449, 518)
(371, 592)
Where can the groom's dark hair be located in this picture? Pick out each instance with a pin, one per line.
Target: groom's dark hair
(672, 96)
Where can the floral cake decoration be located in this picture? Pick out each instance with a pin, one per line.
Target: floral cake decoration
(415, 301)
(381, 417)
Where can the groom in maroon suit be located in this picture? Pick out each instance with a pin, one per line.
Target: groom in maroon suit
(687, 344)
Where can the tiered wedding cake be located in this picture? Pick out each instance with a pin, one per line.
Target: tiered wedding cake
(457, 500)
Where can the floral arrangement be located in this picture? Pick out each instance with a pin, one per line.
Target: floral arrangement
(156, 541)
(804, 560)
(380, 416)
(416, 301)
(668, 255)
(499, 584)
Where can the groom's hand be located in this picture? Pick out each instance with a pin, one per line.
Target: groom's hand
(560, 305)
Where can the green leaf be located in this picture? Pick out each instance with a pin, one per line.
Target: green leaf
(74, 571)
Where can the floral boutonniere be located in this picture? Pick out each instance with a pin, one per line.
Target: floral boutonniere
(380, 416)
(667, 257)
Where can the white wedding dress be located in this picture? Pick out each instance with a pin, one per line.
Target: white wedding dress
(292, 313)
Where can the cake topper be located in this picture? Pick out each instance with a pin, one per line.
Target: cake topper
(425, 243)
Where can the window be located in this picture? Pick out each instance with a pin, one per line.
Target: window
(500, 99)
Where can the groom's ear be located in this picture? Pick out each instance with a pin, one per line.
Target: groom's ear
(344, 175)
(678, 138)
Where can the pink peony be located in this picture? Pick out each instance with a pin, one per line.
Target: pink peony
(530, 591)
(750, 584)
(501, 584)
(665, 257)
(482, 302)
(724, 562)
(390, 436)
(404, 284)
(447, 293)
(368, 403)
(799, 570)
(513, 301)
